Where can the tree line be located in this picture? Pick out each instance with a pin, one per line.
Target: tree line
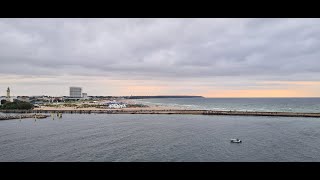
(16, 105)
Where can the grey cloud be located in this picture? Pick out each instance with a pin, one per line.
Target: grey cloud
(160, 48)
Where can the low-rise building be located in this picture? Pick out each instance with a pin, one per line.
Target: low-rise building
(113, 104)
(117, 105)
(85, 96)
(23, 98)
(39, 102)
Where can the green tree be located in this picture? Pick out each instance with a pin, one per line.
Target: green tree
(17, 105)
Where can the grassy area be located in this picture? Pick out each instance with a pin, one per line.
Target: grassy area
(89, 106)
(136, 105)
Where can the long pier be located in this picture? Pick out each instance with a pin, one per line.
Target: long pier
(171, 111)
(23, 116)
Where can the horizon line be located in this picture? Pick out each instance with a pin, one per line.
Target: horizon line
(174, 95)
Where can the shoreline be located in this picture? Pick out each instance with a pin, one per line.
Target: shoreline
(165, 111)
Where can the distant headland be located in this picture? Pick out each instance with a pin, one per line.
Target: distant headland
(148, 97)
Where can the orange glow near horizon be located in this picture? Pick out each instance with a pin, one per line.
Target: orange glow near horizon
(293, 82)
(58, 86)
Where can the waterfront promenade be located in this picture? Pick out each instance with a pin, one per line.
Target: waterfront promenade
(169, 111)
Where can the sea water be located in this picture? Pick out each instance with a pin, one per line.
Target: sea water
(153, 138)
(241, 104)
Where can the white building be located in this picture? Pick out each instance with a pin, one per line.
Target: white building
(8, 94)
(8, 98)
(5, 99)
(113, 104)
(23, 98)
(75, 92)
(116, 105)
(84, 95)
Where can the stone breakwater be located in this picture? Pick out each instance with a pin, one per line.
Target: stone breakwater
(23, 116)
(170, 111)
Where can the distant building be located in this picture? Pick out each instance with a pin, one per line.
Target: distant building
(8, 93)
(117, 105)
(37, 102)
(75, 92)
(85, 95)
(23, 98)
(8, 97)
(39, 99)
(113, 104)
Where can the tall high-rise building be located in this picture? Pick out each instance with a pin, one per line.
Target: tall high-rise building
(75, 92)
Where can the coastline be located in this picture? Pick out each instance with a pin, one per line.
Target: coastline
(155, 109)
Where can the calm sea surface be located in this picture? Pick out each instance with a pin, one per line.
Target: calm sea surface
(133, 137)
(242, 104)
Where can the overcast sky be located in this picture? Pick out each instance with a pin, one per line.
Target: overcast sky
(209, 57)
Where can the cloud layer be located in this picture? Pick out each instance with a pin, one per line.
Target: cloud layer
(228, 54)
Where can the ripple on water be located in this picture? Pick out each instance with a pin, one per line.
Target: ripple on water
(108, 137)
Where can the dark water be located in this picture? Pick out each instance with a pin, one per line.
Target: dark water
(108, 137)
(242, 104)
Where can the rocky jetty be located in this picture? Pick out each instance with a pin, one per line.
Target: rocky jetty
(23, 116)
(170, 111)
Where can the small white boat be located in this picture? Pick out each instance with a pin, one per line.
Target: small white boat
(235, 140)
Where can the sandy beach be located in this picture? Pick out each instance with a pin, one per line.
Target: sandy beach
(150, 107)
